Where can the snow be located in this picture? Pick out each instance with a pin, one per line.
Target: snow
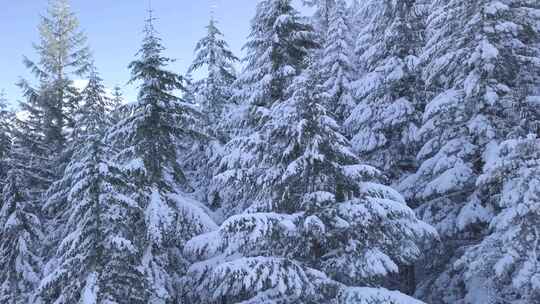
(366, 295)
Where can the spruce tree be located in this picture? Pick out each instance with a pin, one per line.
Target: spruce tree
(63, 54)
(20, 235)
(146, 143)
(98, 256)
(119, 108)
(504, 267)
(5, 138)
(277, 45)
(276, 51)
(336, 63)
(213, 54)
(384, 124)
(475, 73)
(319, 221)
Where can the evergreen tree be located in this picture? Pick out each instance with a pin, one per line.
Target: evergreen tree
(118, 107)
(146, 143)
(504, 267)
(62, 54)
(5, 138)
(479, 60)
(336, 63)
(318, 222)
(98, 257)
(277, 46)
(20, 235)
(213, 53)
(33, 152)
(384, 124)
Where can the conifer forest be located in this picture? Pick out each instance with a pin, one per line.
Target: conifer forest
(369, 152)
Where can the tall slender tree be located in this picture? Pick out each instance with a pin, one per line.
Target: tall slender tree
(63, 54)
(337, 64)
(214, 90)
(6, 119)
(275, 52)
(98, 255)
(277, 49)
(146, 144)
(383, 126)
(20, 234)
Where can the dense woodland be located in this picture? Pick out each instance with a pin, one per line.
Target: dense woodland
(376, 152)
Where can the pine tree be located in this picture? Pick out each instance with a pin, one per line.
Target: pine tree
(5, 138)
(62, 54)
(504, 267)
(475, 73)
(213, 54)
(20, 235)
(384, 124)
(277, 46)
(336, 62)
(318, 221)
(33, 152)
(146, 141)
(98, 257)
(118, 107)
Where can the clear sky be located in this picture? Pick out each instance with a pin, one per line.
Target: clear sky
(114, 30)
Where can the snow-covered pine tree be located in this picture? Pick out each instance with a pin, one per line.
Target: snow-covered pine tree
(146, 144)
(363, 16)
(20, 234)
(118, 105)
(5, 138)
(336, 64)
(98, 254)
(318, 222)
(504, 267)
(92, 120)
(277, 45)
(384, 124)
(276, 50)
(212, 53)
(62, 54)
(478, 61)
(33, 152)
(95, 102)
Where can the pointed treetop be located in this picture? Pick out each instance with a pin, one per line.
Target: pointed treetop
(213, 8)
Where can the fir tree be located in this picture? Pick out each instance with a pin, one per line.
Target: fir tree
(5, 138)
(504, 267)
(336, 63)
(118, 107)
(318, 222)
(98, 257)
(20, 236)
(474, 73)
(275, 52)
(146, 141)
(63, 54)
(384, 124)
(213, 54)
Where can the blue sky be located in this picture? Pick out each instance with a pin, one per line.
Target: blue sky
(114, 30)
